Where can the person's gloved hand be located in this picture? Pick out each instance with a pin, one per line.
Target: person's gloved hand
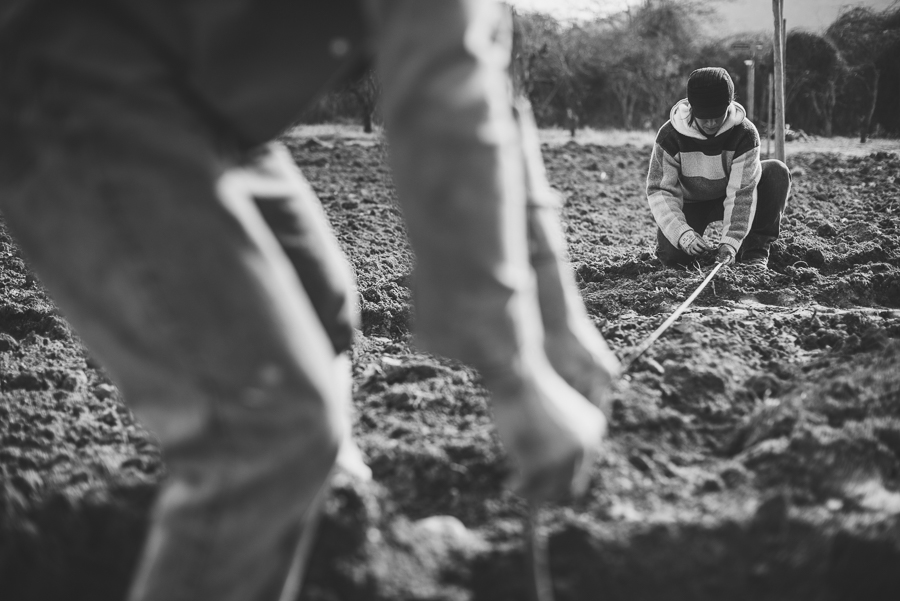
(694, 244)
(725, 254)
(551, 432)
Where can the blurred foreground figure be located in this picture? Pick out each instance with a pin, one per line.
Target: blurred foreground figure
(705, 167)
(138, 174)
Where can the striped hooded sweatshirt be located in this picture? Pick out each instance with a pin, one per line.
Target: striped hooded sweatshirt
(687, 166)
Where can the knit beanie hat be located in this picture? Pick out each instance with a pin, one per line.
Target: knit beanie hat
(709, 91)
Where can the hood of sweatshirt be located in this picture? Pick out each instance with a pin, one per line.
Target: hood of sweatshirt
(680, 116)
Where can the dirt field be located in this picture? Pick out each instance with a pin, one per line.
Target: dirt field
(755, 456)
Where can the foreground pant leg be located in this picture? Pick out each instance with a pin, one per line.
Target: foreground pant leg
(295, 216)
(772, 194)
(460, 178)
(183, 292)
(456, 151)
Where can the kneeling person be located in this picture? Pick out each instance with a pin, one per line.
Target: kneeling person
(705, 167)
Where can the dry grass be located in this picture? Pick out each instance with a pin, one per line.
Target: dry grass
(840, 145)
(336, 131)
(616, 137)
(600, 137)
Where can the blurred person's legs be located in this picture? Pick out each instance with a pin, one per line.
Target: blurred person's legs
(460, 178)
(457, 155)
(294, 214)
(289, 206)
(134, 216)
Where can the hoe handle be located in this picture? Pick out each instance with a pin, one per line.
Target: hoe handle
(542, 581)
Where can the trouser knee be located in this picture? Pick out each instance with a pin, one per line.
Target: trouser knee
(771, 199)
(774, 187)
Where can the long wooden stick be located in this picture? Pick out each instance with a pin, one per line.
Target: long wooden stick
(770, 101)
(299, 562)
(542, 580)
(668, 322)
(751, 87)
(778, 52)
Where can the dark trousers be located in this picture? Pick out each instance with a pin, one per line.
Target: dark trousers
(771, 199)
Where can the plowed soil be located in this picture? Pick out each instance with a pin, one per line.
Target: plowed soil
(755, 453)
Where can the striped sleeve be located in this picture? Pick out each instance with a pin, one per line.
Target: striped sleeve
(664, 194)
(740, 197)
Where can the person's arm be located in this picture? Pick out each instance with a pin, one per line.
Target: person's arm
(740, 194)
(664, 191)
(461, 179)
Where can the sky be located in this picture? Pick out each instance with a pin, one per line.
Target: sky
(735, 15)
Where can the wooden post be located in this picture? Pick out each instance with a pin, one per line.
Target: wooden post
(751, 85)
(778, 90)
(770, 102)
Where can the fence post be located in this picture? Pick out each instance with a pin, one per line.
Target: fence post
(778, 51)
(770, 101)
(751, 85)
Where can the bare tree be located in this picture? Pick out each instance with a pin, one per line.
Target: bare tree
(864, 37)
(812, 71)
(366, 90)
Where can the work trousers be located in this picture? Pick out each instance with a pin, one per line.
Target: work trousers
(207, 281)
(772, 194)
